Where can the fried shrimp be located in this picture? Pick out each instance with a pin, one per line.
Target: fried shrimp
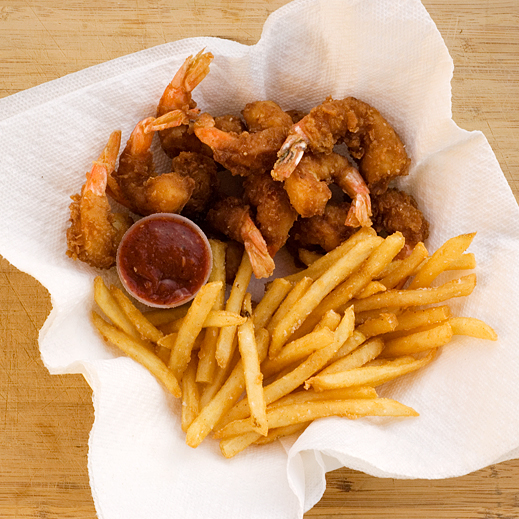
(370, 139)
(249, 152)
(275, 216)
(95, 232)
(326, 231)
(203, 171)
(397, 211)
(177, 109)
(308, 190)
(145, 192)
(232, 217)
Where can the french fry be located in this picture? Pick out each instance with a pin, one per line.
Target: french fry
(190, 394)
(383, 324)
(419, 341)
(220, 376)
(373, 287)
(327, 282)
(323, 264)
(374, 264)
(357, 358)
(439, 262)
(466, 261)
(299, 290)
(162, 316)
(168, 342)
(308, 257)
(415, 318)
(281, 432)
(330, 320)
(225, 344)
(137, 352)
(224, 399)
(253, 376)
(309, 395)
(144, 327)
(214, 319)
(297, 350)
(424, 296)
(274, 295)
(472, 327)
(284, 385)
(112, 310)
(295, 413)
(362, 317)
(352, 343)
(367, 375)
(207, 352)
(406, 267)
(232, 446)
(191, 327)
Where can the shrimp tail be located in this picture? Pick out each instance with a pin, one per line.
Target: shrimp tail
(256, 247)
(104, 166)
(172, 120)
(178, 93)
(360, 211)
(289, 155)
(352, 183)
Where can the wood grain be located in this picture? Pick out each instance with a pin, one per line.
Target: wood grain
(45, 420)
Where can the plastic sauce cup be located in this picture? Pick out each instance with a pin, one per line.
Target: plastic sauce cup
(163, 260)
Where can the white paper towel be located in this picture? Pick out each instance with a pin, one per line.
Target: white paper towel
(389, 54)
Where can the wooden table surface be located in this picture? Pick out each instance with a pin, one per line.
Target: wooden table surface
(45, 420)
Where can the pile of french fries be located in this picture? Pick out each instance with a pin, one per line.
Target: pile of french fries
(318, 343)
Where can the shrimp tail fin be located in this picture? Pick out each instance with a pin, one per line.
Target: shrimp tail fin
(360, 211)
(196, 69)
(178, 92)
(262, 263)
(111, 150)
(289, 156)
(171, 120)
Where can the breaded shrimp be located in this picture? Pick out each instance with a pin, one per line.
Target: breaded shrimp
(232, 217)
(308, 190)
(325, 231)
(397, 211)
(249, 152)
(274, 214)
(177, 109)
(144, 192)
(95, 232)
(203, 171)
(370, 139)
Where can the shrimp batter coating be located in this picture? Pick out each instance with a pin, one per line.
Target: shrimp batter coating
(203, 171)
(229, 123)
(145, 192)
(326, 231)
(397, 211)
(308, 190)
(249, 152)
(274, 214)
(370, 139)
(232, 217)
(95, 232)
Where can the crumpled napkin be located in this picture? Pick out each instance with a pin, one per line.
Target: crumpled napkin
(386, 52)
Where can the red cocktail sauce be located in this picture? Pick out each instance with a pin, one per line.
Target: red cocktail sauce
(163, 260)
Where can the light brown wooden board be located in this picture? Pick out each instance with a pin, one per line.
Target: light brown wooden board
(45, 420)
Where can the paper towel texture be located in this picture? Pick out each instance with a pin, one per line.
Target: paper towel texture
(385, 52)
